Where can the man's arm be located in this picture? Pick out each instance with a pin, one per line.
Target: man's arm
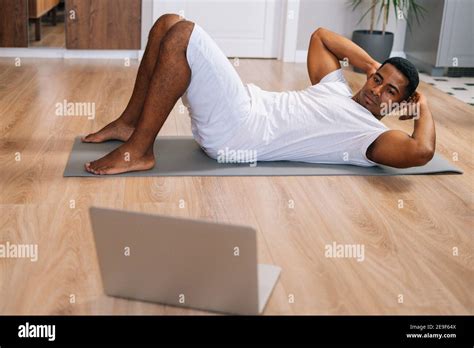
(397, 149)
(325, 51)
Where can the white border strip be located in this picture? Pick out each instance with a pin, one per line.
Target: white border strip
(32, 53)
(101, 54)
(68, 54)
(302, 55)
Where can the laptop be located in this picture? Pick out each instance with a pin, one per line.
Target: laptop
(181, 262)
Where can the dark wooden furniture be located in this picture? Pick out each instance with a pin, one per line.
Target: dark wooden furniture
(103, 24)
(90, 24)
(37, 9)
(13, 23)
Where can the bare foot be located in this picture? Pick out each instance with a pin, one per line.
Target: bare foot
(121, 160)
(116, 130)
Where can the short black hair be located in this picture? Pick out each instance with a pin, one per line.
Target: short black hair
(409, 70)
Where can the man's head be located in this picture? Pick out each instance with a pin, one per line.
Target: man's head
(395, 81)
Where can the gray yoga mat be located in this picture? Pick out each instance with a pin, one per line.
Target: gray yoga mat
(182, 156)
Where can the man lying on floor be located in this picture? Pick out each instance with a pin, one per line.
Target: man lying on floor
(324, 123)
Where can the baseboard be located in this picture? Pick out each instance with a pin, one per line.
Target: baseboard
(68, 54)
(301, 55)
(398, 54)
(101, 54)
(32, 53)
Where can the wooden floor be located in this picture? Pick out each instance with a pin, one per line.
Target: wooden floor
(408, 251)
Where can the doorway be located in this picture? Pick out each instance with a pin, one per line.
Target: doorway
(241, 28)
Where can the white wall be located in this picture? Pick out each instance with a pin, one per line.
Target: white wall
(337, 15)
(147, 20)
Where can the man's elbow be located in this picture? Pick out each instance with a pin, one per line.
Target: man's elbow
(423, 157)
(419, 159)
(427, 156)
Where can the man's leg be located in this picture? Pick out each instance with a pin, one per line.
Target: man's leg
(122, 128)
(169, 81)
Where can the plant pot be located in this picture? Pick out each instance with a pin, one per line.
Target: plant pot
(377, 44)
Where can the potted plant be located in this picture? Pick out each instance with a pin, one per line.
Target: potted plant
(379, 43)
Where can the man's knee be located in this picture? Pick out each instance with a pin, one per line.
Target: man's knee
(164, 23)
(178, 36)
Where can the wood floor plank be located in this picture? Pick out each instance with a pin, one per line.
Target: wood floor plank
(409, 250)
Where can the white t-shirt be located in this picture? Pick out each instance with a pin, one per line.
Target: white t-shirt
(320, 124)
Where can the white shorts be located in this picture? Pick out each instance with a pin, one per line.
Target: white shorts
(217, 100)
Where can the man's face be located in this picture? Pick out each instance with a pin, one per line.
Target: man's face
(385, 85)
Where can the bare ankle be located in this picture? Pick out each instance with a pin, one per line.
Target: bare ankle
(149, 152)
(126, 121)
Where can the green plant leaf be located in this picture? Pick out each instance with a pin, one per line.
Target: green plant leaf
(406, 7)
(356, 3)
(380, 10)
